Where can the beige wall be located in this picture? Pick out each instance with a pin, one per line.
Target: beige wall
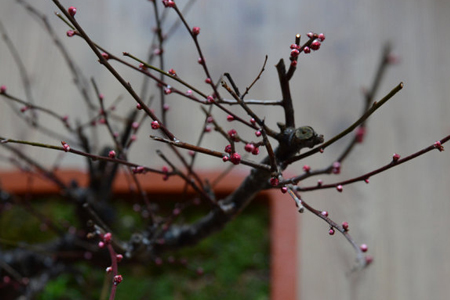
(402, 215)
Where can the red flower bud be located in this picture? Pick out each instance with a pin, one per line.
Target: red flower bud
(72, 11)
(274, 181)
(249, 147)
(155, 125)
(112, 154)
(235, 158)
(117, 279)
(196, 31)
(363, 248)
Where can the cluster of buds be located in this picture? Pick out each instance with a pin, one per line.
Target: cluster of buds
(165, 170)
(105, 240)
(316, 43)
(336, 168)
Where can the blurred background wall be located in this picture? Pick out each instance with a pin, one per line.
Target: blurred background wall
(402, 214)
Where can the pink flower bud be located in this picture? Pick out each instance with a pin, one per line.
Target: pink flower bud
(70, 33)
(295, 53)
(306, 168)
(168, 3)
(108, 269)
(345, 226)
(232, 133)
(107, 237)
(284, 190)
(225, 158)
(315, 45)
(208, 80)
(249, 147)
(3, 89)
(200, 61)
(112, 154)
(210, 99)
(438, 145)
(364, 248)
(274, 181)
(235, 158)
(339, 188)
(155, 125)
(321, 37)
(117, 279)
(258, 133)
(228, 149)
(360, 132)
(196, 31)
(230, 118)
(336, 168)
(331, 231)
(105, 55)
(119, 257)
(72, 11)
(307, 50)
(324, 213)
(395, 157)
(172, 72)
(168, 90)
(255, 151)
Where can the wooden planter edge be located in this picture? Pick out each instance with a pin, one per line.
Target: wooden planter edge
(284, 234)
